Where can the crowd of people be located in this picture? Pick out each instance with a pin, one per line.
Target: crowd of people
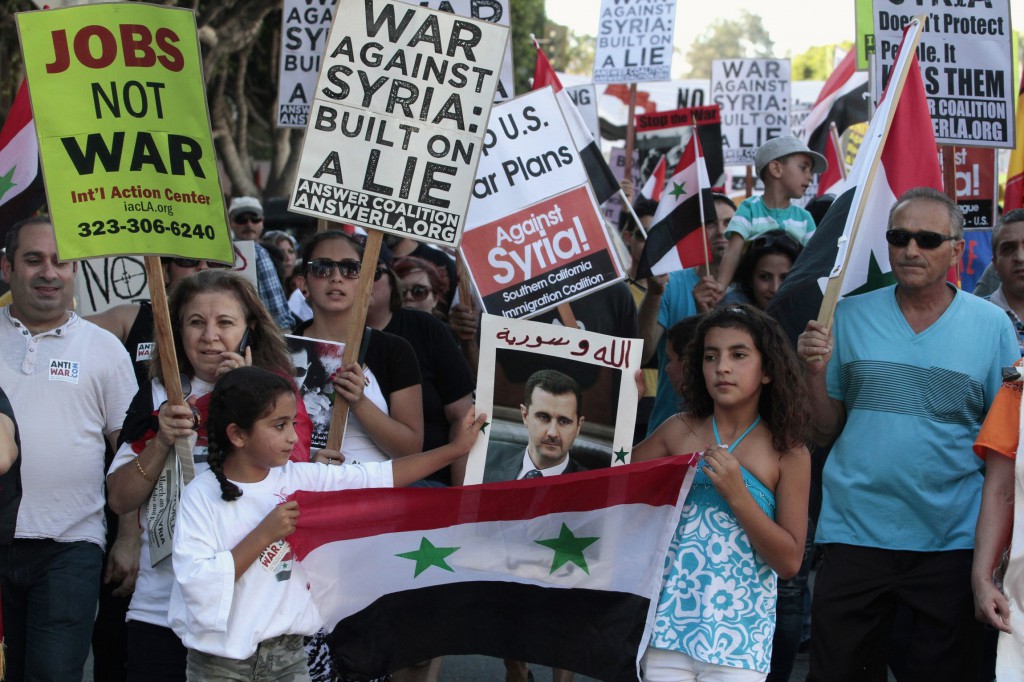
(902, 399)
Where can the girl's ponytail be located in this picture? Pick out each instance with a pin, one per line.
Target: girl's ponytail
(240, 397)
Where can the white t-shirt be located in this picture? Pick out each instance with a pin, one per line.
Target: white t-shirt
(210, 610)
(70, 388)
(153, 586)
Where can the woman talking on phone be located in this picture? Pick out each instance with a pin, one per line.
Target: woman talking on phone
(218, 324)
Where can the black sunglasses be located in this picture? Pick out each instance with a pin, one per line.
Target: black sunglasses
(418, 292)
(322, 268)
(193, 262)
(247, 218)
(924, 238)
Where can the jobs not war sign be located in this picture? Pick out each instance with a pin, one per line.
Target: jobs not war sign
(535, 238)
(634, 41)
(120, 110)
(398, 119)
(305, 25)
(966, 62)
(754, 95)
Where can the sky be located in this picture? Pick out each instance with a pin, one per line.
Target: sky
(794, 25)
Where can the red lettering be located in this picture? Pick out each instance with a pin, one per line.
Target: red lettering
(136, 43)
(136, 40)
(61, 54)
(108, 47)
(172, 60)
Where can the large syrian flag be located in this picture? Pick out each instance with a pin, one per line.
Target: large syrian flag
(1013, 196)
(602, 180)
(677, 239)
(21, 183)
(898, 153)
(562, 571)
(842, 100)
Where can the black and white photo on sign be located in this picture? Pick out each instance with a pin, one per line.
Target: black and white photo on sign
(754, 95)
(398, 119)
(966, 59)
(561, 400)
(634, 41)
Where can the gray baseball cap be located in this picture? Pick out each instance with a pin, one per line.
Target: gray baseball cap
(784, 146)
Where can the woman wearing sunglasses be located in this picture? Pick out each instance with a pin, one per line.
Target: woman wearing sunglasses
(422, 282)
(384, 397)
(218, 324)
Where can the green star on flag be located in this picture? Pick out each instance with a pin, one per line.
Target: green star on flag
(483, 428)
(620, 455)
(428, 555)
(876, 278)
(677, 189)
(7, 181)
(568, 548)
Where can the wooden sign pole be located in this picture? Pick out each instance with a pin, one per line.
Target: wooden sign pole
(630, 133)
(354, 333)
(164, 338)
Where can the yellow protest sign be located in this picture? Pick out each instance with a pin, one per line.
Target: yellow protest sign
(120, 111)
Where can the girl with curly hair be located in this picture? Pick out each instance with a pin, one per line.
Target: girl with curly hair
(745, 518)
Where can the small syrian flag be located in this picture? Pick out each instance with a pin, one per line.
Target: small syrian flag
(892, 159)
(1013, 196)
(21, 183)
(602, 180)
(655, 184)
(677, 239)
(833, 179)
(562, 571)
(841, 101)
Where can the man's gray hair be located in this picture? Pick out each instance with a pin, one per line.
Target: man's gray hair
(956, 216)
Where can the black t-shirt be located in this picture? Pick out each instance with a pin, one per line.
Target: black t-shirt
(10, 482)
(446, 374)
(139, 343)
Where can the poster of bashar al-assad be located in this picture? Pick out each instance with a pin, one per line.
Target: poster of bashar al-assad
(560, 400)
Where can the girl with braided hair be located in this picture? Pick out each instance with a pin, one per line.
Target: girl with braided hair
(239, 601)
(218, 323)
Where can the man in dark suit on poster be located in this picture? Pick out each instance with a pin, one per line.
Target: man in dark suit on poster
(551, 414)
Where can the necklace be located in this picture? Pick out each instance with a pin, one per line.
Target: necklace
(730, 448)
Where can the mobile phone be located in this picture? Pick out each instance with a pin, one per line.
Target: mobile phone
(244, 342)
(364, 345)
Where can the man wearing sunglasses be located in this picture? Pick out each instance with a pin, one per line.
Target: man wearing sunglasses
(901, 384)
(246, 216)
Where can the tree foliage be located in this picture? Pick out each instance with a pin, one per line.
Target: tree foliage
(817, 62)
(567, 50)
(527, 17)
(742, 37)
